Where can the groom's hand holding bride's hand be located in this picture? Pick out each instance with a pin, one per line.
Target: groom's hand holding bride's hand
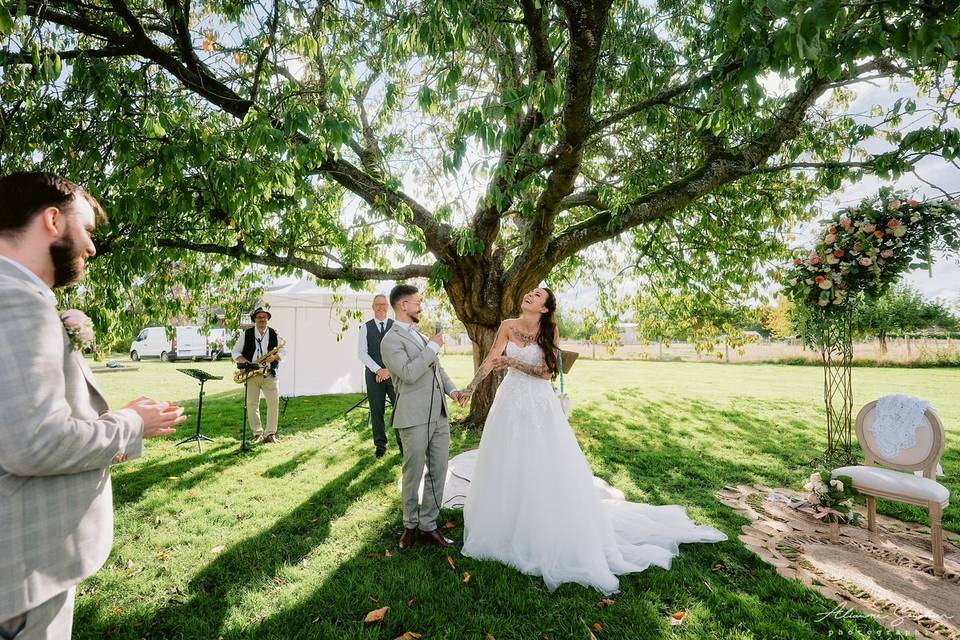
(462, 397)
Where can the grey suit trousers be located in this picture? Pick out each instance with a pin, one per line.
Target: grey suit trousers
(424, 446)
(52, 620)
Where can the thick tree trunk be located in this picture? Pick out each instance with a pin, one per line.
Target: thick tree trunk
(483, 298)
(882, 336)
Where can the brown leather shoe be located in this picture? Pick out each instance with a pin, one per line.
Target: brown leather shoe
(272, 439)
(437, 538)
(407, 539)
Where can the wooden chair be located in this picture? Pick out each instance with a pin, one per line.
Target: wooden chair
(895, 480)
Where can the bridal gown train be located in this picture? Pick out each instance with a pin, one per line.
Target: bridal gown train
(532, 501)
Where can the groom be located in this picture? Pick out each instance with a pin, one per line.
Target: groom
(420, 415)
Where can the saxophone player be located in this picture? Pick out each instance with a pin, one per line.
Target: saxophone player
(255, 345)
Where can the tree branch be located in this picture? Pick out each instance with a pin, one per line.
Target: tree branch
(720, 169)
(7, 59)
(208, 87)
(586, 24)
(240, 252)
(662, 98)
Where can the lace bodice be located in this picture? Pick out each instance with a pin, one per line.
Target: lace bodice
(532, 354)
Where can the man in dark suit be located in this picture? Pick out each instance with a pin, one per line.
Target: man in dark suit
(379, 384)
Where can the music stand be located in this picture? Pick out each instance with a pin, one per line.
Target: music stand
(202, 376)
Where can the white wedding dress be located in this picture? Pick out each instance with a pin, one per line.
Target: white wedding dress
(531, 500)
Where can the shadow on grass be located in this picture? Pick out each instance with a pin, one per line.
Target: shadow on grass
(251, 563)
(222, 420)
(683, 452)
(672, 453)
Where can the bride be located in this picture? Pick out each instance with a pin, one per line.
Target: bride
(533, 502)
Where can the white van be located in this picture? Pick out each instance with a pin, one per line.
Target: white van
(188, 343)
(152, 342)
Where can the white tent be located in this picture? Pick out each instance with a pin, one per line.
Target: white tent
(321, 351)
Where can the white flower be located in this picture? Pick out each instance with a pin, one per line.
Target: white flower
(79, 328)
(837, 484)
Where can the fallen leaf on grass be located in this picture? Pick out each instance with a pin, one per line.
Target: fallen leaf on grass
(388, 554)
(489, 637)
(156, 523)
(409, 635)
(163, 554)
(449, 525)
(376, 615)
(678, 618)
(466, 577)
(450, 561)
(606, 602)
(411, 602)
(218, 549)
(598, 627)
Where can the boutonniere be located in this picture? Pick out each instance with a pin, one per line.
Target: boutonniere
(79, 328)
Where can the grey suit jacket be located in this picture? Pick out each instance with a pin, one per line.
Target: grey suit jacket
(57, 442)
(416, 375)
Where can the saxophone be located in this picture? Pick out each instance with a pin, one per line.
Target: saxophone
(245, 371)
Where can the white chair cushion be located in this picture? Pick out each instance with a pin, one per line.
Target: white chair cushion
(868, 479)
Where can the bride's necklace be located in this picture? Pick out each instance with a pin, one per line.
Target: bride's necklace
(525, 338)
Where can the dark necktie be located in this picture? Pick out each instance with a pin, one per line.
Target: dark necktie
(382, 330)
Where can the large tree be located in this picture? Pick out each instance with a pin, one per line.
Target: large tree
(485, 145)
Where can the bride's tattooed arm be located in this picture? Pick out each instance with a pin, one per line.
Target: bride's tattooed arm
(489, 363)
(537, 371)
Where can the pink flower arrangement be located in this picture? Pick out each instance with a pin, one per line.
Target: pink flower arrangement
(881, 238)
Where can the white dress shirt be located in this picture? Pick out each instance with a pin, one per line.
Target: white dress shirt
(365, 358)
(259, 350)
(412, 328)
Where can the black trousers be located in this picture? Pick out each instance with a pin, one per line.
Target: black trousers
(377, 393)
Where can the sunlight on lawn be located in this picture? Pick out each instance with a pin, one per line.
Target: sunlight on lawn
(291, 540)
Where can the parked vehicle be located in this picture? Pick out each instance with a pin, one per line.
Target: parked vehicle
(187, 342)
(151, 342)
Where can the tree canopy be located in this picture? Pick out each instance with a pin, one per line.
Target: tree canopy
(485, 145)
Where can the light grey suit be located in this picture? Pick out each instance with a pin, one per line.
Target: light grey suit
(57, 442)
(420, 417)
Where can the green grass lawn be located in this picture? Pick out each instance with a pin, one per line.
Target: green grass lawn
(298, 540)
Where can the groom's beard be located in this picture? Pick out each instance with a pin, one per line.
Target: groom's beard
(414, 318)
(67, 262)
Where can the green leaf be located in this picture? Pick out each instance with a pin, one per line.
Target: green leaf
(736, 15)
(6, 23)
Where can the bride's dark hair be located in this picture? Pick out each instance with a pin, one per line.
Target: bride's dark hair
(547, 329)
